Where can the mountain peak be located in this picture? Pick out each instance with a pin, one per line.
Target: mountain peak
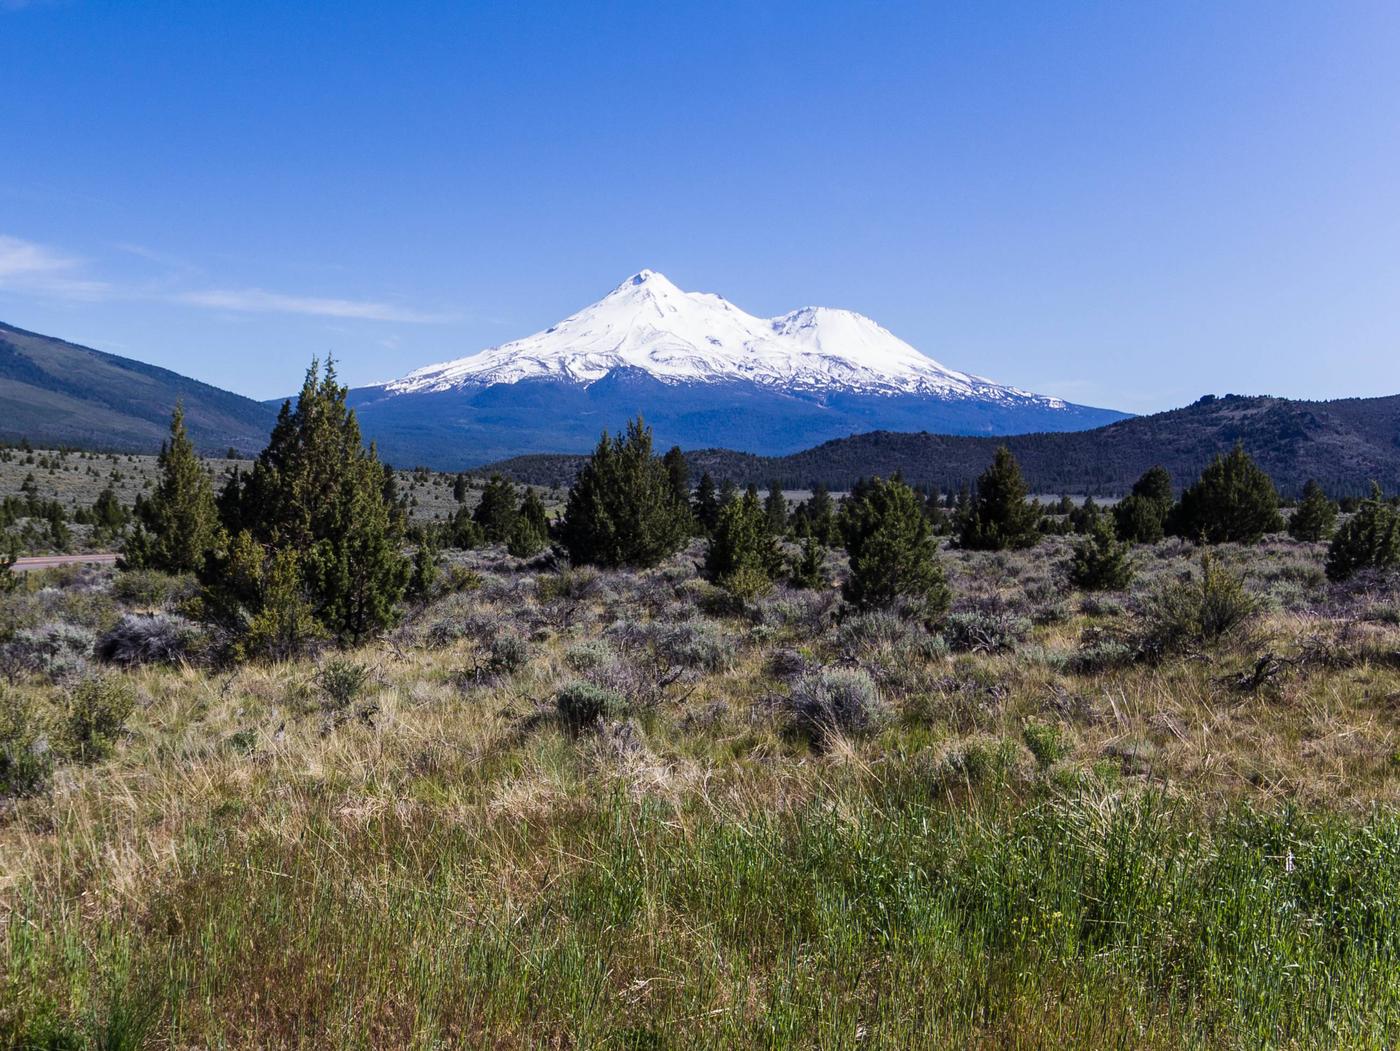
(679, 337)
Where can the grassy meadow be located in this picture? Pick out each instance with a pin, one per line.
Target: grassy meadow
(567, 808)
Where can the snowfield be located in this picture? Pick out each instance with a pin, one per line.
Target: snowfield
(648, 323)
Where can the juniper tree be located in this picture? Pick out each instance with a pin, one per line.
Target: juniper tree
(1369, 539)
(1232, 501)
(678, 474)
(320, 504)
(816, 518)
(808, 569)
(530, 531)
(743, 548)
(622, 509)
(705, 507)
(1315, 517)
(178, 523)
(1083, 517)
(1101, 561)
(775, 509)
(1140, 517)
(496, 512)
(999, 516)
(532, 511)
(893, 553)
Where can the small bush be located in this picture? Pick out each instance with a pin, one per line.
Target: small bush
(151, 589)
(1195, 611)
(1100, 651)
(94, 714)
(138, 639)
(835, 700)
(342, 681)
(696, 644)
(1045, 743)
(582, 705)
(574, 584)
(25, 759)
(1101, 561)
(589, 655)
(979, 631)
(509, 653)
(57, 650)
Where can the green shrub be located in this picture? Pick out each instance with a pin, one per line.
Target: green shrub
(509, 653)
(1197, 610)
(1045, 743)
(525, 540)
(93, 715)
(1315, 517)
(894, 555)
(342, 681)
(1234, 501)
(1101, 561)
(26, 761)
(835, 700)
(582, 705)
(1370, 539)
(809, 568)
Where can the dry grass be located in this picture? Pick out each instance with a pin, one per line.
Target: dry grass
(456, 868)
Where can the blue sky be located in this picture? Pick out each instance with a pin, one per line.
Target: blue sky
(1124, 204)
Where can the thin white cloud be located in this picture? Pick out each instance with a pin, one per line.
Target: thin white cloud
(31, 268)
(22, 259)
(261, 301)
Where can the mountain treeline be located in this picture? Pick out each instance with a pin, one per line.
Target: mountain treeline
(1343, 445)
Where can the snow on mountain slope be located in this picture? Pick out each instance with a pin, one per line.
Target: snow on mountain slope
(696, 337)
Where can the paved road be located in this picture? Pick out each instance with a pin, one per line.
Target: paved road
(98, 558)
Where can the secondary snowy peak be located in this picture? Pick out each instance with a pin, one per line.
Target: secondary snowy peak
(648, 323)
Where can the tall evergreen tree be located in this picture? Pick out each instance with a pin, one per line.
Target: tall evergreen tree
(1232, 501)
(178, 523)
(1315, 517)
(816, 517)
(497, 510)
(678, 474)
(622, 509)
(1141, 516)
(775, 509)
(743, 548)
(316, 502)
(999, 516)
(894, 555)
(530, 531)
(705, 507)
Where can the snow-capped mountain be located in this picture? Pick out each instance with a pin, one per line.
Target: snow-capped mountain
(648, 323)
(703, 372)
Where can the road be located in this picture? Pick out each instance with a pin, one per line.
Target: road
(97, 558)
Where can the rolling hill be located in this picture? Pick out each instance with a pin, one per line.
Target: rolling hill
(57, 393)
(1344, 444)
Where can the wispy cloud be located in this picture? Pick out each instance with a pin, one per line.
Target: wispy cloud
(261, 301)
(28, 267)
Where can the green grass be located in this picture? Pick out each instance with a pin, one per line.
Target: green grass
(1020, 856)
(889, 912)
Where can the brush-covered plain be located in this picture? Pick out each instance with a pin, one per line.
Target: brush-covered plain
(574, 808)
